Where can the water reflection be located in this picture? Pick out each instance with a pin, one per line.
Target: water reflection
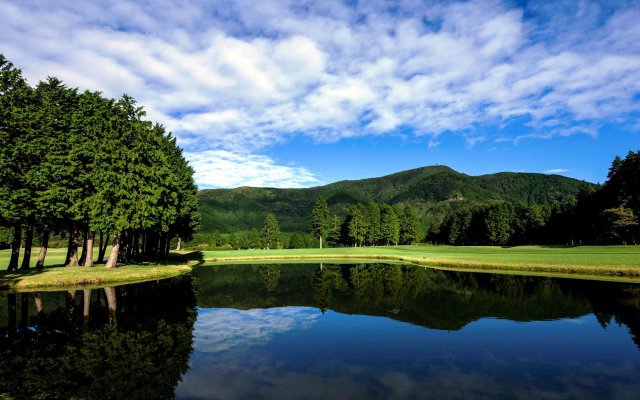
(393, 331)
(128, 342)
(431, 298)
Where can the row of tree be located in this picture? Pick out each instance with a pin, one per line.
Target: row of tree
(495, 223)
(82, 165)
(365, 224)
(600, 214)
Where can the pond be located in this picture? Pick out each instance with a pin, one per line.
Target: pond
(325, 331)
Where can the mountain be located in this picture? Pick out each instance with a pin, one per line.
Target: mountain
(431, 190)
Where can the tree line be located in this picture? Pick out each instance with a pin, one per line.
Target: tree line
(370, 224)
(81, 165)
(603, 214)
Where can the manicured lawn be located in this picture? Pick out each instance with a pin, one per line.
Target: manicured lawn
(55, 276)
(588, 260)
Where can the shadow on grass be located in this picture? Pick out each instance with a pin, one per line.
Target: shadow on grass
(194, 256)
(9, 279)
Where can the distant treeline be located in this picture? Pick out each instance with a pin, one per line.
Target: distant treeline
(606, 214)
(368, 224)
(79, 165)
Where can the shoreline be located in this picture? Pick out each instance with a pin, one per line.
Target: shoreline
(60, 278)
(627, 273)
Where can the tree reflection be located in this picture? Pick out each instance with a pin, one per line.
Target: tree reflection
(432, 298)
(128, 342)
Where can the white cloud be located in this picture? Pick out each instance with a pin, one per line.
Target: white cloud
(244, 75)
(218, 330)
(556, 171)
(222, 168)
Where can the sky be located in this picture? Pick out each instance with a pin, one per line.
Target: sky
(302, 93)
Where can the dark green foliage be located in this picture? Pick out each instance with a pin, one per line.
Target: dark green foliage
(77, 163)
(607, 214)
(270, 233)
(138, 351)
(422, 296)
(320, 219)
(431, 191)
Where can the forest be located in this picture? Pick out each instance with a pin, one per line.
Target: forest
(89, 169)
(601, 215)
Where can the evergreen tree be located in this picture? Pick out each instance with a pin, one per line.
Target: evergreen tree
(372, 234)
(356, 225)
(333, 238)
(270, 232)
(408, 222)
(320, 219)
(389, 225)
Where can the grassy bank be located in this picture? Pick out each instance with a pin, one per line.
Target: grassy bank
(57, 277)
(623, 261)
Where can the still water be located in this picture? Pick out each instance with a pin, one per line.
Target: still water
(325, 331)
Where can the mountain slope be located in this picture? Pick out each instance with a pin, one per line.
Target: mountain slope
(431, 190)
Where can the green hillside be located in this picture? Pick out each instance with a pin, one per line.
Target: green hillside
(431, 190)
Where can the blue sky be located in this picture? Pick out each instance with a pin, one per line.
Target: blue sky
(301, 93)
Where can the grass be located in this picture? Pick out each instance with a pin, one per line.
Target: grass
(579, 261)
(57, 277)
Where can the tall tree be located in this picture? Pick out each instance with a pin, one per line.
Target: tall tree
(15, 127)
(389, 225)
(356, 225)
(270, 232)
(320, 219)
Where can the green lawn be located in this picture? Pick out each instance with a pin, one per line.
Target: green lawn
(57, 277)
(585, 260)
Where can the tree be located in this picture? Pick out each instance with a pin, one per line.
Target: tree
(15, 125)
(621, 224)
(297, 241)
(372, 234)
(356, 225)
(333, 238)
(270, 232)
(389, 225)
(320, 219)
(408, 225)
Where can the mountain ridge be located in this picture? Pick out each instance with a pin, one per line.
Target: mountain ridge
(432, 190)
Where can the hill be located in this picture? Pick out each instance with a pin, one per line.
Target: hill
(431, 190)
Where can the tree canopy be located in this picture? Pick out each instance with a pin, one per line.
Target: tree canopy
(78, 164)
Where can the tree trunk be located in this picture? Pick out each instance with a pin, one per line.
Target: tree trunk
(163, 243)
(12, 300)
(37, 297)
(102, 248)
(28, 243)
(43, 247)
(73, 246)
(86, 299)
(112, 262)
(136, 245)
(88, 260)
(71, 302)
(320, 241)
(24, 312)
(83, 257)
(144, 245)
(123, 246)
(110, 292)
(179, 245)
(15, 248)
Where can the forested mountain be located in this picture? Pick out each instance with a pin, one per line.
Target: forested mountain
(432, 191)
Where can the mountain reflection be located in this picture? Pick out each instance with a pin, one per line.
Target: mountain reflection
(130, 341)
(427, 297)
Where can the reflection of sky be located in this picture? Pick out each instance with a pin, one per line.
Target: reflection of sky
(218, 330)
(298, 353)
